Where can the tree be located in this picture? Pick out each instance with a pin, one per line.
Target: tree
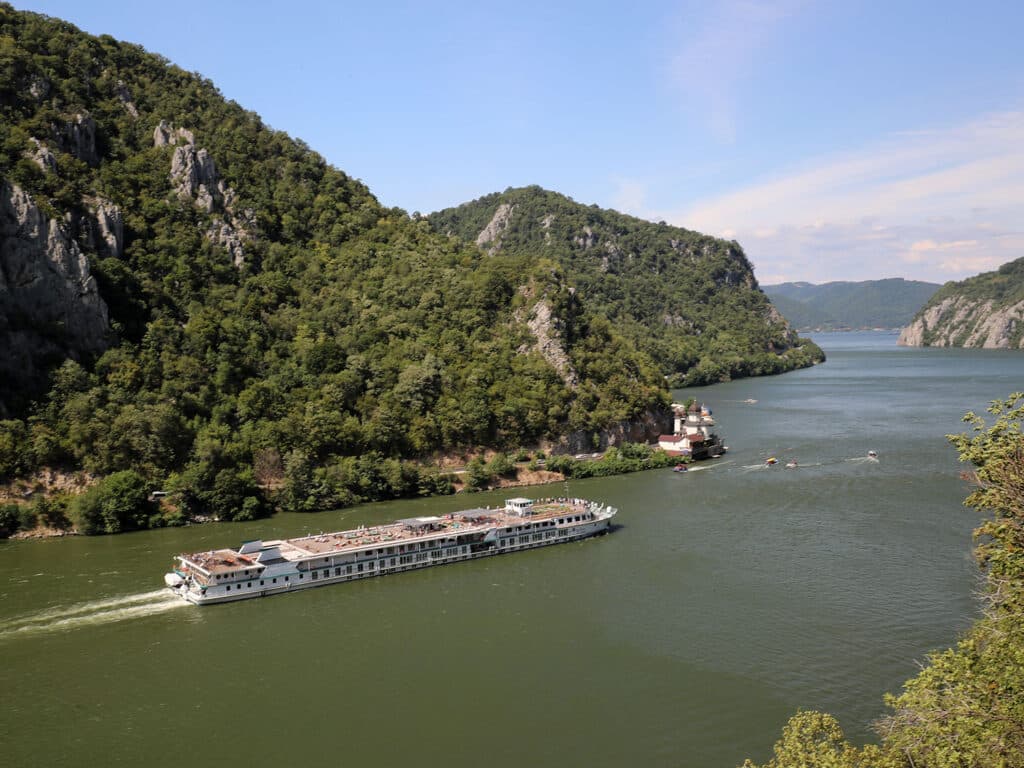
(120, 502)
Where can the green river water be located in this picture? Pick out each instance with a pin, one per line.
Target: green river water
(726, 598)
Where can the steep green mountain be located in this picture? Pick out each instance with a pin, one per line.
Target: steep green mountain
(887, 303)
(986, 310)
(191, 297)
(689, 301)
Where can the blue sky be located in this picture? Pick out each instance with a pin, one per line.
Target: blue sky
(833, 140)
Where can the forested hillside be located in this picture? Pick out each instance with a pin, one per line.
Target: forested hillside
(256, 321)
(986, 310)
(844, 305)
(688, 300)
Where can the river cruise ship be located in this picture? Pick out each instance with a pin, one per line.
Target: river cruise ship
(260, 568)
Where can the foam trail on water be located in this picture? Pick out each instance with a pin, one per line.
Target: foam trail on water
(92, 612)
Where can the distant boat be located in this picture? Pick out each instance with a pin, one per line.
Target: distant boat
(771, 461)
(680, 468)
(791, 464)
(750, 401)
(872, 454)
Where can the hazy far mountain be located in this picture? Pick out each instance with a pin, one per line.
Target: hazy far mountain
(889, 303)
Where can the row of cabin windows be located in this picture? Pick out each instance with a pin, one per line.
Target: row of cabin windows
(263, 582)
(405, 560)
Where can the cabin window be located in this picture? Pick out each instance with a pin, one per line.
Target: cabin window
(337, 571)
(302, 575)
(273, 581)
(360, 568)
(249, 585)
(315, 575)
(286, 578)
(327, 572)
(229, 587)
(348, 569)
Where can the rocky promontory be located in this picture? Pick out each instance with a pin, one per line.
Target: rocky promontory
(985, 311)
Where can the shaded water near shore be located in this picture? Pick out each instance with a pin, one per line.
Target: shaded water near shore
(727, 598)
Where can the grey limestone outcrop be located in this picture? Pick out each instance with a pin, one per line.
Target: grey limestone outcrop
(499, 223)
(50, 307)
(958, 321)
(78, 137)
(194, 177)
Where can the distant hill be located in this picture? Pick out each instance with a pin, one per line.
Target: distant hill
(841, 305)
(986, 310)
(690, 301)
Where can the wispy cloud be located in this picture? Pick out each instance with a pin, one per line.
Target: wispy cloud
(718, 54)
(937, 205)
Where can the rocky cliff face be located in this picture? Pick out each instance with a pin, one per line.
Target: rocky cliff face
(50, 307)
(959, 321)
(644, 429)
(195, 179)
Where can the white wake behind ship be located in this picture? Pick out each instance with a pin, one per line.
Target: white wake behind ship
(260, 568)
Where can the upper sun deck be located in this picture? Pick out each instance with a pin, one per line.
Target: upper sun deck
(393, 534)
(220, 560)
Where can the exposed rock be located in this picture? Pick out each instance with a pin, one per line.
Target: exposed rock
(643, 429)
(43, 157)
(106, 228)
(50, 307)
(222, 233)
(587, 239)
(193, 170)
(165, 134)
(548, 332)
(545, 224)
(125, 97)
(498, 224)
(39, 87)
(194, 176)
(78, 137)
(957, 321)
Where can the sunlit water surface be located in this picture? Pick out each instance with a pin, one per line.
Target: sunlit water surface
(727, 598)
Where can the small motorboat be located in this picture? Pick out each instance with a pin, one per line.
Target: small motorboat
(680, 468)
(771, 461)
(872, 454)
(791, 464)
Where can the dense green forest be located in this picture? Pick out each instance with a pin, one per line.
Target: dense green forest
(272, 336)
(687, 300)
(844, 305)
(966, 707)
(1004, 286)
(346, 340)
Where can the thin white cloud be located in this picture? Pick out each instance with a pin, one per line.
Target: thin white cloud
(630, 195)
(716, 56)
(942, 204)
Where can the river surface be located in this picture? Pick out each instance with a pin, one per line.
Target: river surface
(727, 598)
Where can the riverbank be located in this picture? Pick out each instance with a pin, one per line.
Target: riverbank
(42, 501)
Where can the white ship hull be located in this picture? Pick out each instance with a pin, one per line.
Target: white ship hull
(315, 561)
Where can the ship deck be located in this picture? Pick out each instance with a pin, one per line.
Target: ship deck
(392, 534)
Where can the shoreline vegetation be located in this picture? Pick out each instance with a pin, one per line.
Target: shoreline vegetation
(54, 504)
(966, 706)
